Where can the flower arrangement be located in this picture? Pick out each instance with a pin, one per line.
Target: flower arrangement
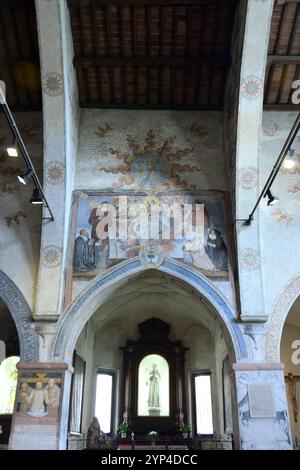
(123, 427)
(185, 428)
(153, 434)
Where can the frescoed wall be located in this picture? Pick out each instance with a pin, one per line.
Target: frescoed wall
(20, 221)
(154, 158)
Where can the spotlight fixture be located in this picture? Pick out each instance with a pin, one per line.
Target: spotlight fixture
(36, 197)
(13, 150)
(289, 161)
(18, 147)
(272, 200)
(25, 178)
(286, 149)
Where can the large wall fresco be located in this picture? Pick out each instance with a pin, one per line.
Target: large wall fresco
(156, 157)
(111, 227)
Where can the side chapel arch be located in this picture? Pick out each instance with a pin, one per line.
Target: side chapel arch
(21, 315)
(280, 311)
(102, 287)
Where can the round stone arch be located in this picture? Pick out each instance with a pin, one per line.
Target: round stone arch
(280, 311)
(21, 315)
(101, 289)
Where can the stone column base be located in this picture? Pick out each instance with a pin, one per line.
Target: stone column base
(262, 407)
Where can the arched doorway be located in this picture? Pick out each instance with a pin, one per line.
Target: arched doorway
(290, 357)
(108, 314)
(18, 342)
(10, 355)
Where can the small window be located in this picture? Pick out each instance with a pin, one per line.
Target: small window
(8, 384)
(104, 408)
(202, 404)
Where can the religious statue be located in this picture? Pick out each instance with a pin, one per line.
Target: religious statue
(94, 435)
(153, 394)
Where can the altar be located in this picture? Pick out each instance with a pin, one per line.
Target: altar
(152, 447)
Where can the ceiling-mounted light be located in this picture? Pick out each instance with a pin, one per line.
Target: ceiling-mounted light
(25, 178)
(36, 197)
(13, 149)
(272, 200)
(289, 161)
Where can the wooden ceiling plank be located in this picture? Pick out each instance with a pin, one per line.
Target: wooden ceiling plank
(161, 48)
(200, 52)
(7, 53)
(19, 41)
(214, 48)
(134, 35)
(174, 44)
(123, 53)
(294, 30)
(203, 107)
(82, 41)
(148, 48)
(109, 51)
(85, 62)
(283, 59)
(272, 68)
(76, 3)
(96, 43)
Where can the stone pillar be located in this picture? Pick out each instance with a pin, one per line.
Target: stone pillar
(262, 407)
(60, 115)
(41, 407)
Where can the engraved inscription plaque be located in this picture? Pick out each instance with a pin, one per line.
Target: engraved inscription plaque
(261, 400)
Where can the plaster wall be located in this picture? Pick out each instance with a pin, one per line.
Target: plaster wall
(20, 221)
(102, 130)
(279, 224)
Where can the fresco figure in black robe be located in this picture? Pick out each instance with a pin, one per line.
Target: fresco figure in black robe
(84, 257)
(216, 249)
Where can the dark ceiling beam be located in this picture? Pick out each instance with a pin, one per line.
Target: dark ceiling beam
(85, 62)
(282, 107)
(282, 2)
(283, 59)
(199, 107)
(12, 3)
(100, 3)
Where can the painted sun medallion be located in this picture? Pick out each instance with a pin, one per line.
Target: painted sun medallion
(149, 169)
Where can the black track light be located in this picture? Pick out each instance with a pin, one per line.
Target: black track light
(36, 197)
(26, 177)
(12, 150)
(272, 200)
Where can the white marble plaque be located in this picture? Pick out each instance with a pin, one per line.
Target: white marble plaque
(261, 401)
(37, 437)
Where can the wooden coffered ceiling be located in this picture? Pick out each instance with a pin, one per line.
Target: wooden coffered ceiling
(283, 66)
(19, 54)
(154, 54)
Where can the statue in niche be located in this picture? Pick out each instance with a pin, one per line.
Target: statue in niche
(153, 394)
(94, 435)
